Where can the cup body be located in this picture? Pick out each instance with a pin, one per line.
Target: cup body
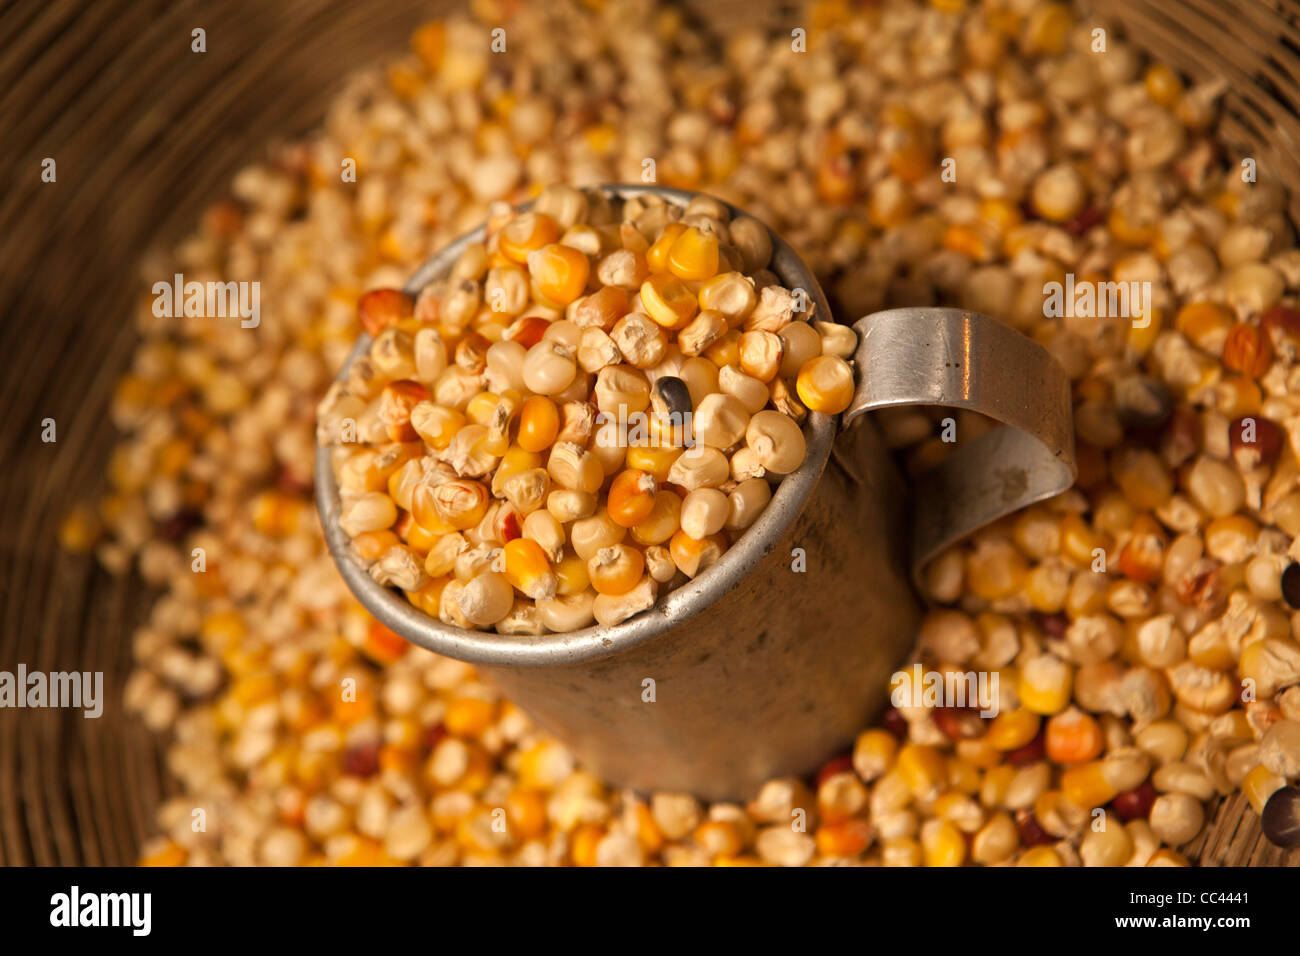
(777, 674)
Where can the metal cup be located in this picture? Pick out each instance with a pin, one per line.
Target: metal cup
(778, 655)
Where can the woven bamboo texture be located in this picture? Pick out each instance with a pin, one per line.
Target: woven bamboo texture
(145, 134)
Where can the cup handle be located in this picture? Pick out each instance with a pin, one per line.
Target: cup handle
(960, 359)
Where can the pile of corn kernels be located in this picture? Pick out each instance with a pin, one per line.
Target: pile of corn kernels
(577, 417)
(1141, 624)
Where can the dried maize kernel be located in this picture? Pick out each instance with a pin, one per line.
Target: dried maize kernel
(825, 384)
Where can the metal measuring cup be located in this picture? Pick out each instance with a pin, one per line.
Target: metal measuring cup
(757, 668)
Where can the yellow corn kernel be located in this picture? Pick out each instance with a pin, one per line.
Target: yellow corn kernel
(275, 514)
(539, 423)
(978, 752)
(655, 461)
(527, 569)
(1047, 28)
(1206, 325)
(1209, 648)
(1012, 729)
(1040, 856)
(719, 838)
(900, 851)
(668, 301)
(526, 812)
(726, 350)
(436, 424)
(480, 408)
(663, 522)
(969, 240)
(1163, 85)
(527, 233)
(1079, 541)
(469, 716)
(372, 545)
(1045, 684)
(923, 768)
(693, 255)
(963, 776)
(1001, 214)
(417, 538)
(166, 853)
(1167, 857)
(996, 783)
(1260, 784)
(429, 598)
(657, 255)
(1143, 334)
(516, 460)
(583, 844)
(825, 384)
(1085, 786)
(559, 273)
(942, 844)
(874, 753)
(1143, 477)
(996, 570)
(571, 575)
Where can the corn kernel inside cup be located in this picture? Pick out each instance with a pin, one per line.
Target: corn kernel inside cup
(586, 412)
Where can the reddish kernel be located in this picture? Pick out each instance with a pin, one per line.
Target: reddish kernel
(1135, 804)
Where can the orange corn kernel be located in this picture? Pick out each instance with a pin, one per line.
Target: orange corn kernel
(1073, 737)
(559, 273)
(657, 255)
(381, 308)
(631, 497)
(845, 838)
(384, 645)
(527, 233)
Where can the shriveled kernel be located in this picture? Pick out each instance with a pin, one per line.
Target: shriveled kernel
(761, 354)
(641, 341)
(574, 467)
(610, 609)
(692, 555)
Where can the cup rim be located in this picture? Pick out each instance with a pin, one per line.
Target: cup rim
(669, 610)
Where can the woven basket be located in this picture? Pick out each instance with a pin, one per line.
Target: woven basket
(145, 134)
